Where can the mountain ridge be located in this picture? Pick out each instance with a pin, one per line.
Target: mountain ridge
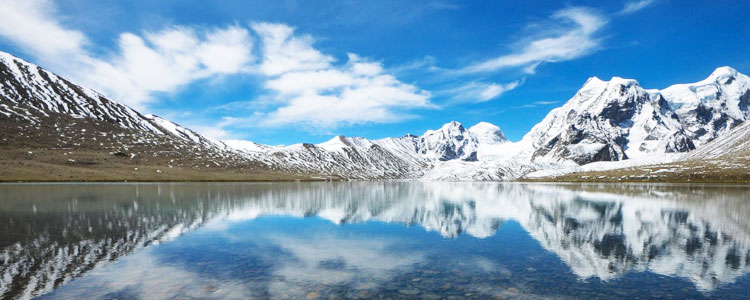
(611, 120)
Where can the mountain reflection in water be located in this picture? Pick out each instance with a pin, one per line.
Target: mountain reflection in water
(53, 233)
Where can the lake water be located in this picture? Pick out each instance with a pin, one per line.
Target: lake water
(388, 240)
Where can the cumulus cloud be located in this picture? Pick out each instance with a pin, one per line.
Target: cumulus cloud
(159, 61)
(284, 52)
(574, 36)
(310, 88)
(303, 84)
(634, 6)
(28, 24)
(166, 60)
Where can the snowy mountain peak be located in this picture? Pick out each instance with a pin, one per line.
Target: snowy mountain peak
(608, 120)
(596, 85)
(451, 141)
(623, 82)
(451, 128)
(593, 82)
(452, 124)
(723, 72)
(339, 142)
(596, 92)
(487, 133)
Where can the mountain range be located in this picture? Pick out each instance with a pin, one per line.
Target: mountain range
(53, 129)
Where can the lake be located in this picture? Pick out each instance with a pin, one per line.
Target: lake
(362, 240)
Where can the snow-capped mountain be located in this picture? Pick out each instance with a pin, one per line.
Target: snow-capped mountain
(449, 142)
(32, 98)
(33, 94)
(618, 119)
(359, 158)
(29, 92)
(605, 121)
(67, 127)
(487, 134)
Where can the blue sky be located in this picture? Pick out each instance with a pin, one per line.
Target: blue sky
(281, 72)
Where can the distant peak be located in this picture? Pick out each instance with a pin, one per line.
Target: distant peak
(452, 124)
(595, 82)
(724, 71)
(623, 81)
(488, 133)
(483, 123)
(336, 139)
(450, 128)
(335, 143)
(484, 126)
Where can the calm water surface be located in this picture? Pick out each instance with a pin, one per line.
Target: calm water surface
(385, 240)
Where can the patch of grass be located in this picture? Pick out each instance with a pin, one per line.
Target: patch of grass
(725, 170)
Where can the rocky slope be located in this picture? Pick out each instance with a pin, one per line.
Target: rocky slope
(735, 144)
(53, 129)
(725, 159)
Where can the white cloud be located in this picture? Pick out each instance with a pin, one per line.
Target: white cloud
(543, 102)
(535, 104)
(160, 61)
(575, 38)
(28, 24)
(481, 91)
(634, 6)
(362, 262)
(306, 86)
(169, 59)
(284, 52)
(493, 90)
(309, 88)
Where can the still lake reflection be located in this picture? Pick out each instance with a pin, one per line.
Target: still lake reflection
(373, 240)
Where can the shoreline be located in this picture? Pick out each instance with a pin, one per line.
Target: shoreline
(309, 180)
